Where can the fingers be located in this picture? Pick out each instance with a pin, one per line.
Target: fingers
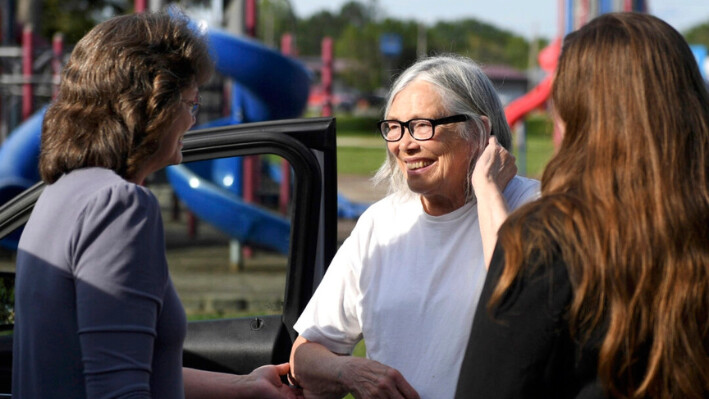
(372, 379)
(268, 384)
(406, 390)
(282, 369)
(495, 165)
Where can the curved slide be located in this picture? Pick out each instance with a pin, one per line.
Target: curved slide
(248, 224)
(19, 156)
(536, 97)
(267, 86)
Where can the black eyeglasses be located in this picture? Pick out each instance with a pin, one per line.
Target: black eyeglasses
(194, 105)
(420, 128)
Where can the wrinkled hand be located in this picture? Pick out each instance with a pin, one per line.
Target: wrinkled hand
(266, 383)
(495, 165)
(371, 379)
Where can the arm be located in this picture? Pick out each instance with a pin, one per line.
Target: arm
(324, 374)
(262, 383)
(493, 171)
(119, 288)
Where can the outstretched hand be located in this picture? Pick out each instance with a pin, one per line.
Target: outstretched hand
(495, 165)
(266, 383)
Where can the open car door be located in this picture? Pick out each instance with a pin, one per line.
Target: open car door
(241, 344)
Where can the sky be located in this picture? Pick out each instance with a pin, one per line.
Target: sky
(528, 18)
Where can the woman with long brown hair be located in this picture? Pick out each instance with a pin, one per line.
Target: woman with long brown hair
(601, 287)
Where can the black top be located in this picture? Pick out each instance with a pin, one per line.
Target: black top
(524, 349)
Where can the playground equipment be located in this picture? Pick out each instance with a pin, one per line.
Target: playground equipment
(267, 86)
(573, 14)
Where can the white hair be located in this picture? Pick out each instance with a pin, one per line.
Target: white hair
(464, 89)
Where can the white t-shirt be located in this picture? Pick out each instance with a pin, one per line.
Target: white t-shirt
(408, 283)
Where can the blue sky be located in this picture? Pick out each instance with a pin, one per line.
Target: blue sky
(525, 17)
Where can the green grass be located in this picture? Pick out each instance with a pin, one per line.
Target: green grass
(357, 125)
(361, 161)
(540, 146)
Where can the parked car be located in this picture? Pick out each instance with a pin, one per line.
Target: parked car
(240, 345)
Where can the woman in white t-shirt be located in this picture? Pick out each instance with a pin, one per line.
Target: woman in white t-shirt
(408, 278)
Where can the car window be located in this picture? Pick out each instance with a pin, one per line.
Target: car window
(227, 256)
(227, 244)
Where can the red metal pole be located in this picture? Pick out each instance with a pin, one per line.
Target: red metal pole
(284, 189)
(251, 163)
(583, 16)
(140, 5)
(250, 17)
(287, 44)
(27, 50)
(57, 52)
(326, 73)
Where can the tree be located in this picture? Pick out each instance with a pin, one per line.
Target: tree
(698, 35)
(483, 42)
(74, 18)
(276, 18)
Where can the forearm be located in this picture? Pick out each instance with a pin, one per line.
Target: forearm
(317, 369)
(492, 212)
(201, 384)
(323, 374)
(493, 171)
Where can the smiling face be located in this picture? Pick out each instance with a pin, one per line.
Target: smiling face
(437, 168)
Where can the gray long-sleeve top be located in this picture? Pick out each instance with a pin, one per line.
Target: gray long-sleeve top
(97, 315)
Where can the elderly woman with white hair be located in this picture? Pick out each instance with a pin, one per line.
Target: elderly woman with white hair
(408, 278)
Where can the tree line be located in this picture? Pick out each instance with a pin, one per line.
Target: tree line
(356, 30)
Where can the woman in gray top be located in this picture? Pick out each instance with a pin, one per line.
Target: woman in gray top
(91, 268)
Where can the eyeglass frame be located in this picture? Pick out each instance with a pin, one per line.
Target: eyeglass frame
(434, 122)
(194, 105)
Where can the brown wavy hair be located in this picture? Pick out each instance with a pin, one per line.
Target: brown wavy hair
(625, 204)
(119, 93)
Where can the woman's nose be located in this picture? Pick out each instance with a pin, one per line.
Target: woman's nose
(407, 142)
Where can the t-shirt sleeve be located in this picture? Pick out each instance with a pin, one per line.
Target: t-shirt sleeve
(521, 190)
(120, 275)
(514, 351)
(331, 317)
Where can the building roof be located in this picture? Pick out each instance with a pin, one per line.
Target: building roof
(503, 72)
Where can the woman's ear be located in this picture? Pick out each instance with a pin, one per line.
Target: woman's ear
(487, 124)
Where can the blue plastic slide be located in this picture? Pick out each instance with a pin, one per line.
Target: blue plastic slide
(226, 211)
(19, 156)
(267, 86)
